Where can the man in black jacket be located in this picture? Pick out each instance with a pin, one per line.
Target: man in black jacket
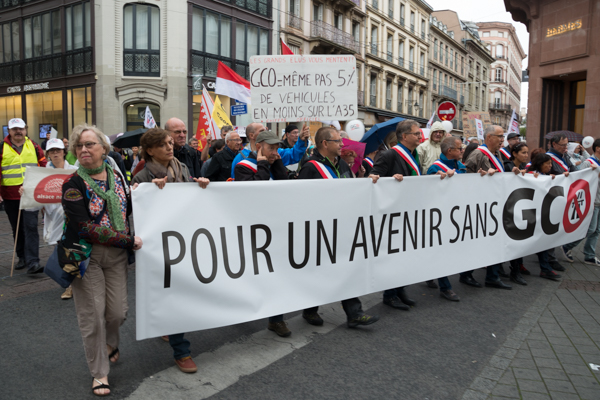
(220, 167)
(400, 161)
(326, 163)
(182, 151)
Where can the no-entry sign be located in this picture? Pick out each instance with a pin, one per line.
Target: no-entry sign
(446, 111)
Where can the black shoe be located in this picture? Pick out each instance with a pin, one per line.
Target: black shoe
(556, 266)
(362, 319)
(280, 328)
(313, 318)
(35, 268)
(20, 264)
(523, 270)
(395, 302)
(550, 275)
(404, 298)
(498, 284)
(502, 272)
(431, 284)
(449, 295)
(469, 281)
(517, 278)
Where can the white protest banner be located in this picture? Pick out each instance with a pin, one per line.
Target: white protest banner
(236, 264)
(303, 88)
(43, 186)
(479, 129)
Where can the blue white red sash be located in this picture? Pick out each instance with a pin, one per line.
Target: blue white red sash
(495, 162)
(408, 158)
(248, 164)
(441, 165)
(594, 161)
(369, 161)
(324, 170)
(559, 161)
(528, 165)
(505, 153)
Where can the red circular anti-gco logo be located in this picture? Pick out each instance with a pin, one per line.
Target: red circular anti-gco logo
(446, 111)
(49, 189)
(578, 205)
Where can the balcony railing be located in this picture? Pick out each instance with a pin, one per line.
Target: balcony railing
(141, 62)
(423, 35)
(412, 28)
(374, 49)
(411, 66)
(373, 101)
(499, 80)
(4, 4)
(448, 92)
(434, 86)
(410, 110)
(500, 106)
(401, 21)
(401, 61)
(206, 64)
(391, 12)
(388, 104)
(399, 106)
(361, 98)
(329, 32)
(500, 57)
(422, 71)
(390, 57)
(375, 4)
(294, 21)
(52, 66)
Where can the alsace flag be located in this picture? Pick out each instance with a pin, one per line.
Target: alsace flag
(206, 126)
(514, 124)
(285, 50)
(232, 85)
(149, 121)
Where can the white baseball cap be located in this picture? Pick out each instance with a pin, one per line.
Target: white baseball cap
(16, 123)
(55, 144)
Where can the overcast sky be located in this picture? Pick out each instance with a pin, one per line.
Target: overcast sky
(493, 10)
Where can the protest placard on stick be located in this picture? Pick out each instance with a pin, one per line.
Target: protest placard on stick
(303, 88)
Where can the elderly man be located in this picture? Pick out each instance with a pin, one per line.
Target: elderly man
(17, 152)
(182, 151)
(512, 139)
(449, 161)
(326, 163)
(288, 156)
(399, 161)
(485, 160)
(208, 151)
(430, 150)
(291, 137)
(220, 167)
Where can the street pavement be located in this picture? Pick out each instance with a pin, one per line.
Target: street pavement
(541, 341)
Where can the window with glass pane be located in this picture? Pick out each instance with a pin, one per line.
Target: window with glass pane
(373, 90)
(9, 44)
(401, 53)
(78, 38)
(141, 40)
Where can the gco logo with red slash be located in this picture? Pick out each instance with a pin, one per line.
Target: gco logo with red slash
(578, 205)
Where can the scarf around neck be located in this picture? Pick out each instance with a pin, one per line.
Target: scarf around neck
(173, 172)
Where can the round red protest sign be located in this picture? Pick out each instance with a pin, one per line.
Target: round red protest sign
(446, 111)
(578, 205)
(49, 189)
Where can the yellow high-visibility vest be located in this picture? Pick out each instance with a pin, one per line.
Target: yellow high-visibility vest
(13, 163)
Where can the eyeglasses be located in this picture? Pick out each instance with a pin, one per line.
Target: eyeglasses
(235, 140)
(561, 145)
(179, 132)
(338, 141)
(88, 145)
(498, 136)
(417, 134)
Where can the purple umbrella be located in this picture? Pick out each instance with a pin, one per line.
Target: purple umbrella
(571, 136)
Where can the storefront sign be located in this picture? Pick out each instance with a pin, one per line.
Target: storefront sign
(303, 88)
(564, 28)
(197, 85)
(239, 109)
(13, 89)
(28, 88)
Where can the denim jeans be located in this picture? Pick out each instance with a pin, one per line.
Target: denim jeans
(492, 273)
(28, 238)
(180, 345)
(388, 294)
(544, 259)
(352, 307)
(589, 248)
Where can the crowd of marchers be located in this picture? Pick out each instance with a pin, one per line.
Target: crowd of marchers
(92, 225)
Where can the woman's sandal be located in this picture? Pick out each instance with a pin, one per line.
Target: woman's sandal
(112, 354)
(100, 386)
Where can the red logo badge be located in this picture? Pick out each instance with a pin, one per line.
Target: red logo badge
(49, 190)
(578, 205)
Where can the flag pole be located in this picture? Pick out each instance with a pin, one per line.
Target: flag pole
(12, 265)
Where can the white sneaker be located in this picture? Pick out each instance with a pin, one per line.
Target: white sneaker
(595, 262)
(567, 254)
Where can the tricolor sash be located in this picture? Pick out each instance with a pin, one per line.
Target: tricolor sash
(369, 161)
(505, 153)
(528, 165)
(594, 161)
(408, 158)
(495, 162)
(443, 166)
(559, 161)
(324, 170)
(248, 164)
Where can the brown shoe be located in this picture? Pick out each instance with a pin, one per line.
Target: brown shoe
(165, 338)
(280, 328)
(67, 294)
(187, 365)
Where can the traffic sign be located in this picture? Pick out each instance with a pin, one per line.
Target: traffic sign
(239, 109)
(446, 111)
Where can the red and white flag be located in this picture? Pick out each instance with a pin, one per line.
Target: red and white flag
(285, 50)
(206, 126)
(231, 84)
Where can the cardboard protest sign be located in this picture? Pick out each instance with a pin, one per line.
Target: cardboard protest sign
(469, 127)
(303, 88)
(479, 129)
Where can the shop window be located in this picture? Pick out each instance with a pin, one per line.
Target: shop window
(141, 34)
(10, 107)
(135, 113)
(79, 107)
(44, 109)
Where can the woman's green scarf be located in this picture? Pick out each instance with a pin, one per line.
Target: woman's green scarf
(110, 196)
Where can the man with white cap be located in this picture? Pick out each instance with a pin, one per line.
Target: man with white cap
(429, 151)
(17, 152)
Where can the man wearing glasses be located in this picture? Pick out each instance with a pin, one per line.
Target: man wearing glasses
(182, 151)
(558, 149)
(400, 161)
(219, 169)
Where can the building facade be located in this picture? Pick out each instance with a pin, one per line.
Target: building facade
(58, 69)
(504, 90)
(564, 55)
